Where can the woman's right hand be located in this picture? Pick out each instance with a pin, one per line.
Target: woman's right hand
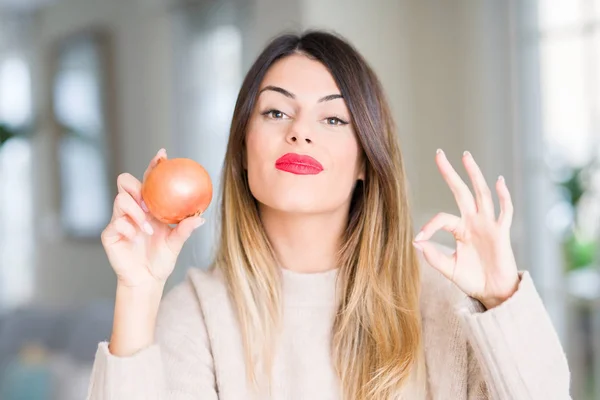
(142, 250)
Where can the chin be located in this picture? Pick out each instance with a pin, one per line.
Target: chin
(294, 196)
(293, 203)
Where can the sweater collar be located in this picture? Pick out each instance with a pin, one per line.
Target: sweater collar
(309, 289)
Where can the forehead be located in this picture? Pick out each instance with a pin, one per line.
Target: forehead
(301, 76)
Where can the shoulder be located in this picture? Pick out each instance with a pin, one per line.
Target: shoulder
(208, 284)
(183, 306)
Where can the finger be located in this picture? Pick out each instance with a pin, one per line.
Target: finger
(462, 194)
(126, 205)
(441, 221)
(506, 205)
(122, 227)
(438, 260)
(160, 155)
(483, 195)
(182, 232)
(127, 183)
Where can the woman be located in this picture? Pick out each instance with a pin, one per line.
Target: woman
(318, 290)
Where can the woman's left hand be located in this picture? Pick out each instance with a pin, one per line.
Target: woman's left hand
(483, 265)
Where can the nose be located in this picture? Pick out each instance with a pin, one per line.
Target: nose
(299, 132)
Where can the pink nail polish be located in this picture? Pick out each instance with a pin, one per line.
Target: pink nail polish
(148, 228)
(144, 206)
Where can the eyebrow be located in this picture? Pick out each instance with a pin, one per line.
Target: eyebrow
(292, 96)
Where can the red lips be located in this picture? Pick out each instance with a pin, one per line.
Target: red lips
(298, 164)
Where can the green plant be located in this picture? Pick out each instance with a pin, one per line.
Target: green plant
(5, 134)
(580, 252)
(579, 249)
(575, 186)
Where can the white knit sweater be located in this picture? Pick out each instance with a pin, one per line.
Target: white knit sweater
(508, 353)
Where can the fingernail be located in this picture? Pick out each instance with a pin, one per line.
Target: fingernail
(418, 246)
(439, 151)
(501, 178)
(200, 223)
(144, 206)
(419, 236)
(466, 153)
(148, 228)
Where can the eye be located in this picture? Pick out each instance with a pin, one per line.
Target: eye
(274, 114)
(335, 121)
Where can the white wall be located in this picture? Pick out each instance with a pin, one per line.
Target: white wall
(70, 271)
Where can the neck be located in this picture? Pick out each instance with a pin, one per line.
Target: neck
(305, 243)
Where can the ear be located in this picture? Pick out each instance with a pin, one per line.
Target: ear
(361, 170)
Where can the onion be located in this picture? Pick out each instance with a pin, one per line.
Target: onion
(176, 189)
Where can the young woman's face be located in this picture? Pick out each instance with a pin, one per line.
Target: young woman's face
(302, 154)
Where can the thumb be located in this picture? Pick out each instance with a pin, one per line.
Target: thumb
(182, 232)
(438, 260)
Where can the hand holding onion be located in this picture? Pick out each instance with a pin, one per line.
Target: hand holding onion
(141, 246)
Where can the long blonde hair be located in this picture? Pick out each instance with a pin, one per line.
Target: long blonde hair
(376, 338)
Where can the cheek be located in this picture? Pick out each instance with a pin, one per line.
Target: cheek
(335, 189)
(345, 159)
(259, 145)
(261, 151)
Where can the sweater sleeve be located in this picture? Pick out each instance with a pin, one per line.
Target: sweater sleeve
(516, 353)
(179, 366)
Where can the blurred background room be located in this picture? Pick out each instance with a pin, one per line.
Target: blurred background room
(93, 88)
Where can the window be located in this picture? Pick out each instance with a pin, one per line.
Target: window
(16, 189)
(79, 88)
(568, 33)
(15, 97)
(570, 92)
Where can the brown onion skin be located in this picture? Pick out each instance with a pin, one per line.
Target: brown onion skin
(176, 189)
